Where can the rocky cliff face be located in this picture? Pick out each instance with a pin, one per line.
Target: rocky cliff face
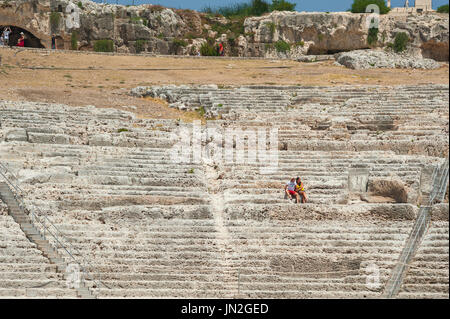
(328, 33)
(155, 29)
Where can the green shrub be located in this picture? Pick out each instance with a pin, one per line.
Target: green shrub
(80, 5)
(236, 26)
(74, 40)
(201, 111)
(139, 45)
(208, 49)
(138, 20)
(282, 5)
(400, 42)
(179, 43)
(272, 27)
(269, 46)
(372, 37)
(282, 46)
(120, 130)
(259, 7)
(104, 46)
(55, 19)
(359, 6)
(443, 9)
(252, 8)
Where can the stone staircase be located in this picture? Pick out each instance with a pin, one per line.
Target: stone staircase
(36, 237)
(421, 226)
(427, 275)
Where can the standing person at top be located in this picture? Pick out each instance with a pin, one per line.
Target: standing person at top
(6, 32)
(221, 49)
(53, 41)
(290, 190)
(21, 41)
(300, 189)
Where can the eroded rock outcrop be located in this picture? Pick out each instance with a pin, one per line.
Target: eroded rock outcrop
(159, 30)
(368, 59)
(328, 33)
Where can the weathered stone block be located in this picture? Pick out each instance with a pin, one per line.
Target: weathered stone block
(16, 134)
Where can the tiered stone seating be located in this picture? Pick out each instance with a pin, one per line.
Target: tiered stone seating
(98, 185)
(150, 227)
(24, 272)
(325, 174)
(428, 275)
(404, 119)
(154, 257)
(315, 259)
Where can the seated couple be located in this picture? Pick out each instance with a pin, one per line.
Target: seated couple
(295, 188)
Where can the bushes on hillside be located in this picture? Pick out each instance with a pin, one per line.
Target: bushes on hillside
(74, 40)
(359, 6)
(400, 42)
(208, 49)
(443, 9)
(252, 8)
(104, 46)
(55, 19)
(139, 45)
(282, 5)
(178, 43)
(372, 37)
(282, 46)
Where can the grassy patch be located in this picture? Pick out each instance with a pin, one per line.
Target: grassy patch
(320, 37)
(201, 111)
(104, 46)
(55, 19)
(139, 45)
(282, 46)
(74, 40)
(139, 20)
(250, 9)
(272, 27)
(372, 37)
(208, 49)
(179, 43)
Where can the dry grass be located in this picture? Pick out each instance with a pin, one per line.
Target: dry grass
(105, 81)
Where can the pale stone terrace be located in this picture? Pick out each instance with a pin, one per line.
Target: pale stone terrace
(151, 227)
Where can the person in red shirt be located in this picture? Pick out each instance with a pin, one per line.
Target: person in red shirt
(21, 41)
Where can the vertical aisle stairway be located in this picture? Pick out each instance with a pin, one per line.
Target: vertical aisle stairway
(35, 236)
(418, 232)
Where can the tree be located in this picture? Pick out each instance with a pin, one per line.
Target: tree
(401, 42)
(443, 9)
(359, 6)
(259, 7)
(282, 5)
